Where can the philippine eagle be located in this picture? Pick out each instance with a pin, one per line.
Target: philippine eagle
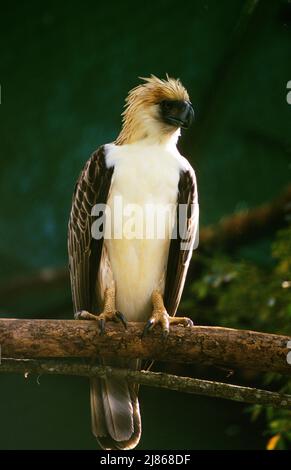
(141, 276)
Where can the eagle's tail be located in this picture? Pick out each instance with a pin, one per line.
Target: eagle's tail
(115, 413)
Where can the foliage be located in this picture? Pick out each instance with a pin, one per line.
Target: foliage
(244, 294)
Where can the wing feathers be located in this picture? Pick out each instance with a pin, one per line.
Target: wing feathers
(84, 251)
(181, 247)
(114, 404)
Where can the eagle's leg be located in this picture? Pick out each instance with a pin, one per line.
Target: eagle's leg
(109, 311)
(161, 316)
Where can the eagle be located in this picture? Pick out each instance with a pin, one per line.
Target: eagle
(132, 276)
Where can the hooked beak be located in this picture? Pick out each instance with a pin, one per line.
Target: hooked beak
(178, 113)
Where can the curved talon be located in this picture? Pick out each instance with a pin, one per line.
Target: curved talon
(189, 322)
(101, 324)
(166, 332)
(122, 318)
(102, 318)
(186, 322)
(148, 326)
(84, 315)
(162, 318)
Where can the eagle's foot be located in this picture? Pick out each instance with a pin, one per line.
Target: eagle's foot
(102, 318)
(161, 317)
(109, 313)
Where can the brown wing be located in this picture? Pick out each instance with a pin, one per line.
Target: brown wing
(181, 247)
(85, 251)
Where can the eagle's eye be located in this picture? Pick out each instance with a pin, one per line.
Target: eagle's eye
(167, 105)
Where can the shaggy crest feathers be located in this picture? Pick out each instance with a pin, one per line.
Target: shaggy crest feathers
(141, 114)
(154, 90)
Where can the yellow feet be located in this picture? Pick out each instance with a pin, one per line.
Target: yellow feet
(110, 313)
(161, 317)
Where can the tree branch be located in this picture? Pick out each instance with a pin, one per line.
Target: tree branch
(243, 227)
(152, 379)
(206, 345)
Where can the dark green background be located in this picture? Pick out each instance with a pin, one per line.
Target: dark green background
(65, 69)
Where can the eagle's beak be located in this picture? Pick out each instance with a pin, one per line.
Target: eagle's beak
(177, 113)
(187, 116)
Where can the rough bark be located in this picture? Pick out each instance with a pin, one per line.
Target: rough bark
(218, 346)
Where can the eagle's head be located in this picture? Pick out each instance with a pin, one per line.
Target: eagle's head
(155, 111)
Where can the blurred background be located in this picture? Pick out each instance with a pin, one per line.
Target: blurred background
(65, 69)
